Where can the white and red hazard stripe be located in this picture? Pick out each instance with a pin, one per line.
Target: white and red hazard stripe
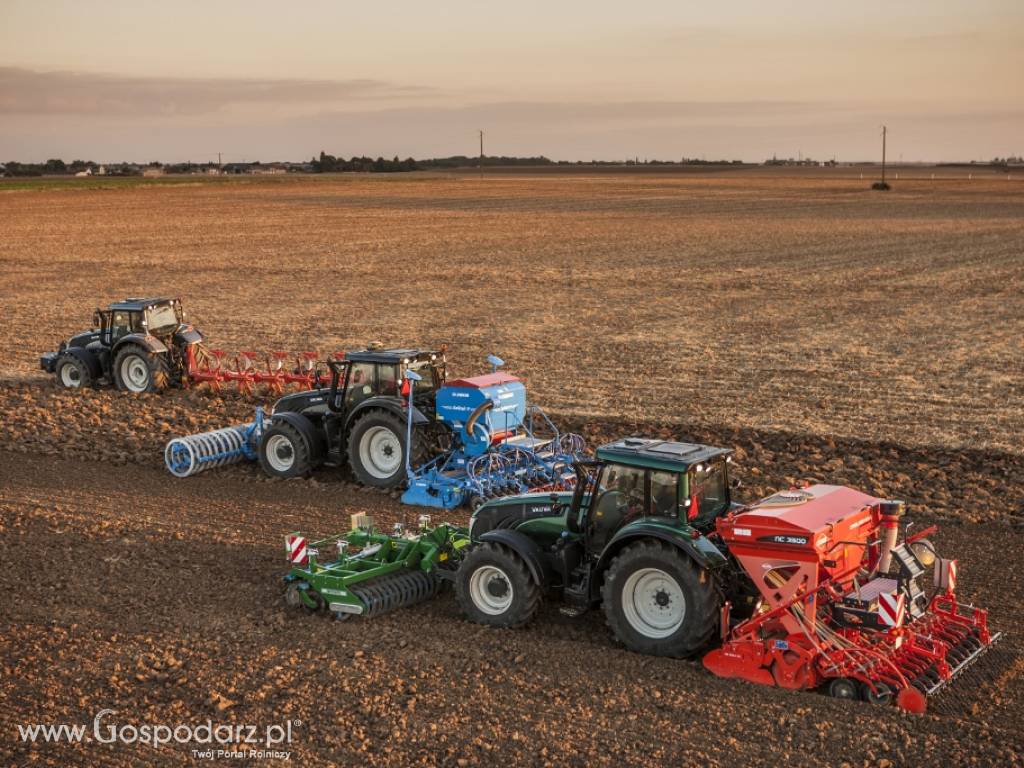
(951, 576)
(945, 575)
(892, 608)
(297, 553)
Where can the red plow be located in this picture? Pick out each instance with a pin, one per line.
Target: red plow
(838, 602)
(247, 370)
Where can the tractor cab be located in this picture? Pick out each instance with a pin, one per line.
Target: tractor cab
(636, 478)
(378, 372)
(159, 317)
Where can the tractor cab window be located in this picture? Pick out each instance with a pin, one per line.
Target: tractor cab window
(121, 324)
(360, 383)
(161, 318)
(387, 380)
(664, 494)
(709, 487)
(425, 369)
(619, 498)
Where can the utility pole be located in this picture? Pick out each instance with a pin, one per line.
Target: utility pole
(883, 153)
(481, 165)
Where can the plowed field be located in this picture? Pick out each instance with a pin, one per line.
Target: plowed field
(823, 331)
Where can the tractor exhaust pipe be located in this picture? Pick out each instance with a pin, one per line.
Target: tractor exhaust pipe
(892, 511)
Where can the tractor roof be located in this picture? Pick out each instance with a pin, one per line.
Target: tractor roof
(388, 355)
(137, 305)
(658, 454)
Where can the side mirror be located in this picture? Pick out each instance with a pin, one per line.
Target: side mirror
(97, 319)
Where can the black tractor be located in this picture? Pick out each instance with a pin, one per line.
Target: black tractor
(360, 417)
(139, 345)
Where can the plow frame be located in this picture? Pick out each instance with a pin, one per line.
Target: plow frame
(246, 374)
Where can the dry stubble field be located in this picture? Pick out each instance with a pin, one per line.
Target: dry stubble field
(824, 330)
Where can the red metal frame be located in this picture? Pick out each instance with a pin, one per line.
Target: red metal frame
(804, 557)
(247, 375)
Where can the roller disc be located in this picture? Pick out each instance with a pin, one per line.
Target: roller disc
(400, 590)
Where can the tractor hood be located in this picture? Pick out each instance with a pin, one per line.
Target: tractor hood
(535, 512)
(301, 402)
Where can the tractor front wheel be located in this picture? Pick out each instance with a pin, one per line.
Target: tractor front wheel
(72, 373)
(658, 602)
(139, 370)
(376, 450)
(283, 452)
(494, 587)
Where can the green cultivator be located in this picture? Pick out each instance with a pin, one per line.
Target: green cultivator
(373, 573)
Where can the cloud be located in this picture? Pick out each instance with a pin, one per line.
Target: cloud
(24, 91)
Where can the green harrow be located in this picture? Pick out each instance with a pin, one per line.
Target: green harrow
(372, 573)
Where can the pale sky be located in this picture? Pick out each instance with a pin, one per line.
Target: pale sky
(182, 80)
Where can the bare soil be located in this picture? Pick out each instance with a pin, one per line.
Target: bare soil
(822, 331)
(803, 304)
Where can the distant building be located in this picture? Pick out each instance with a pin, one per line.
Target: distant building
(86, 172)
(153, 172)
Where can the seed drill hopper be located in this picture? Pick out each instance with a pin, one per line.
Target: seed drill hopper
(496, 445)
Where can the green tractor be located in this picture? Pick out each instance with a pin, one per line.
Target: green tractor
(632, 535)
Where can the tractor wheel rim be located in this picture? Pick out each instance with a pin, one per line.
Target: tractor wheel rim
(135, 373)
(491, 590)
(653, 603)
(280, 453)
(70, 376)
(380, 452)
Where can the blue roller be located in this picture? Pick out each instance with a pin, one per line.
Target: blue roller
(192, 454)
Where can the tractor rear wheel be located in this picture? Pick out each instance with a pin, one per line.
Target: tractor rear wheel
(494, 587)
(376, 450)
(283, 452)
(138, 370)
(72, 373)
(658, 602)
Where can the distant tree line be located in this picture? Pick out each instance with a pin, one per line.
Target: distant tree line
(331, 164)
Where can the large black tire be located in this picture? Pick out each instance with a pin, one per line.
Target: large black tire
(283, 452)
(376, 449)
(658, 602)
(494, 587)
(71, 372)
(136, 369)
